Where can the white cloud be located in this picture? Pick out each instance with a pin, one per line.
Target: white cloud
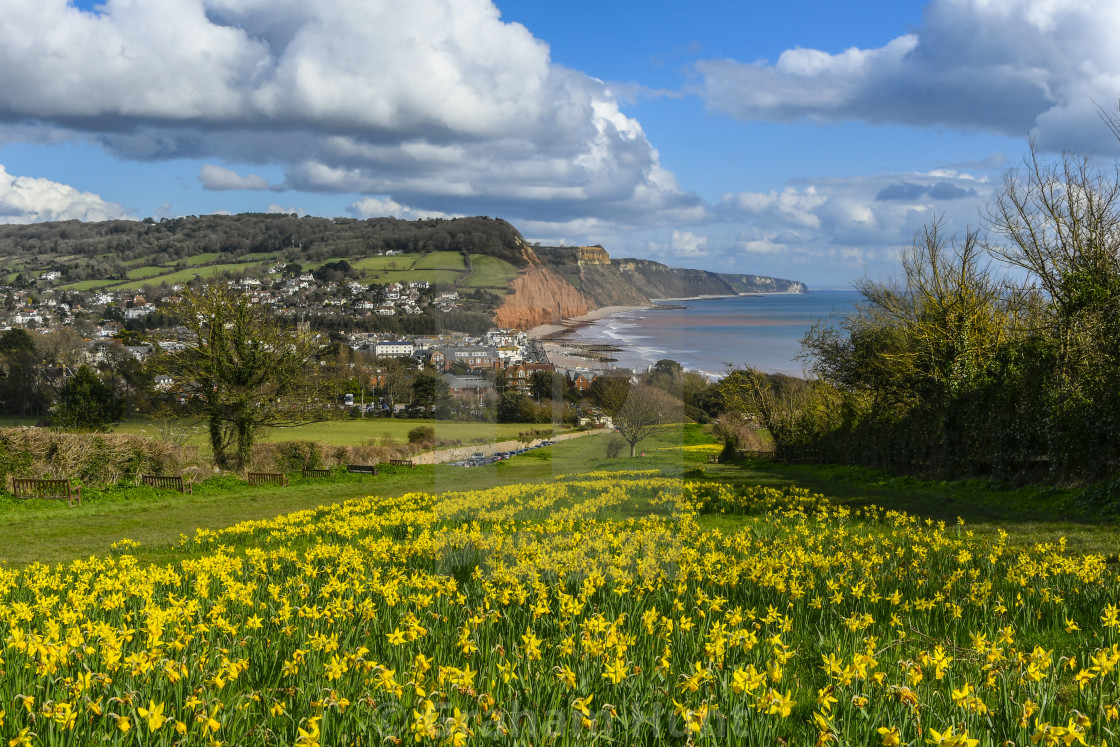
(25, 199)
(372, 207)
(427, 101)
(830, 226)
(1009, 67)
(687, 245)
(217, 178)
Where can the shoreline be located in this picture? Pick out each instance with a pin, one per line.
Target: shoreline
(568, 324)
(543, 331)
(615, 349)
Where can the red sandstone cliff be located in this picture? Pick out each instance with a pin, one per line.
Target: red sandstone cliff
(540, 296)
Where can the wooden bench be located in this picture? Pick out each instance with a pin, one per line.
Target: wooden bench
(401, 463)
(316, 473)
(268, 478)
(167, 482)
(57, 490)
(362, 469)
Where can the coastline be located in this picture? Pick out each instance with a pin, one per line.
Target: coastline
(737, 330)
(551, 331)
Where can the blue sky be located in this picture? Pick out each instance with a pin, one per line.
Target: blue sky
(804, 139)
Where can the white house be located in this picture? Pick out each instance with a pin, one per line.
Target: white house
(393, 348)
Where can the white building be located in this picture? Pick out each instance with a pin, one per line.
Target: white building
(393, 348)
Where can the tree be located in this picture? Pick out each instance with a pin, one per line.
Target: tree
(21, 388)
(1059, 222)
(87, 403)
(610, 392)
(791, 410)
(244, 369)
(515, 407)
(644, 412)
(546, 385)
(430, 392)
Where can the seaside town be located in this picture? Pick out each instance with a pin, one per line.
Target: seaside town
(102, 326)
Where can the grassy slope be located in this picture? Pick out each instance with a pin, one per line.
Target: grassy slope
(51, 532)
(369, 265)
(441, 261)
(202, 259)
(182, 276)
(489, 272)
(355, 431)
(406, 276)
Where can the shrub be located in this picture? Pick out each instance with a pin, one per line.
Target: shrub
(425, 435)
(614, 447)
(96, 459)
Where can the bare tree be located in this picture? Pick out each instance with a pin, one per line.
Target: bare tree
(644, 412)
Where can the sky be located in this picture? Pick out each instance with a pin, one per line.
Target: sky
(807, 139)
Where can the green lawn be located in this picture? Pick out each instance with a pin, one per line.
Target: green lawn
(51, 532)
(441, 261)
(370, 265)
(357, 431)
(489, 272)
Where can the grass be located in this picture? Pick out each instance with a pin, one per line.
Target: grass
(51, 532)
(140, 273)
(377, 264)
(85, 285)
(1030, 515)
(441, 261)
(406, 276)
(357, 431)
(203, 259)
(182, 276)
(489, 272)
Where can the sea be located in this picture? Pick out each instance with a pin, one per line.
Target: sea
(709, 335)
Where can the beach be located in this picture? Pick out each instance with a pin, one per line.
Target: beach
(545, 331)
(564, 354)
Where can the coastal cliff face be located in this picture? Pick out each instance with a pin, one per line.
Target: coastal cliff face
(762, 284)
(567, 281)
(540, 296)
(656, 280)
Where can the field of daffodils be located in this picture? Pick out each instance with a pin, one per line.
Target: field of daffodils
(602, 608)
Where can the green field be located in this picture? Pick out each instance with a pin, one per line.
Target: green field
(738, 604)
(147, 271)
(51, 532)
(202, 259)
(258, 257)
(354, 431)
(85, 285)
(378, 264)
(489, 272)
(407, 276)
(183, 276)
(441, 261)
